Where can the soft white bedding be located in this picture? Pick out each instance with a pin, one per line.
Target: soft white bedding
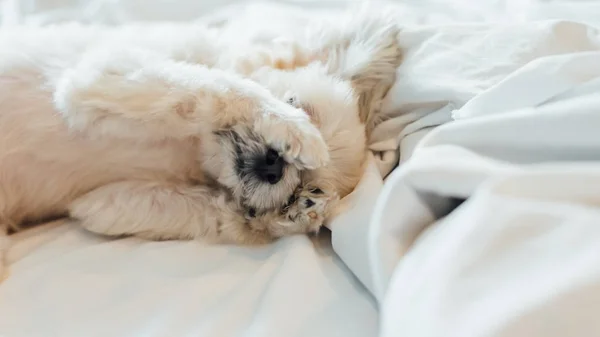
(519, 258)
(66, 282)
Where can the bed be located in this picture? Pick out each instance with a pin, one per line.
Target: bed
(489, 225)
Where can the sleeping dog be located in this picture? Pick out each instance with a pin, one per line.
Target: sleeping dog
(166, 132)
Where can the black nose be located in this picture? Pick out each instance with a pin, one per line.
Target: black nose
(270, 169)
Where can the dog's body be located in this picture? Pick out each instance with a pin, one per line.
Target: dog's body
(145, 136)
(111, 115)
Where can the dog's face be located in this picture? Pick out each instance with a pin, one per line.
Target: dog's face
(332, 104)
(256, 175)
(258, 178)
(342, 94)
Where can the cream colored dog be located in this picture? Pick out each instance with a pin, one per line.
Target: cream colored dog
(137, 130)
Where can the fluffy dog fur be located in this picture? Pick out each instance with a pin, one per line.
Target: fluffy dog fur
(143, 134)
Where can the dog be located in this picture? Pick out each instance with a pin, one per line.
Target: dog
(158, 137)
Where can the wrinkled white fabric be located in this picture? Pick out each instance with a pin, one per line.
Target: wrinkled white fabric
(66, 282)
(520, 256)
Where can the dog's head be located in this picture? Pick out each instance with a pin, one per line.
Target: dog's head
(332, 105)
(339, 79)
(342, 91)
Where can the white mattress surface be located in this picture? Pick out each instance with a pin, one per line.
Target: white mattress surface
(519, 258)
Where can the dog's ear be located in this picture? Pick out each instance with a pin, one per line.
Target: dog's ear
(363, 47)
(370, 65)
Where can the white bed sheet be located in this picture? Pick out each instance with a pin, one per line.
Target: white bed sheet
(489, 269)
(67, 282)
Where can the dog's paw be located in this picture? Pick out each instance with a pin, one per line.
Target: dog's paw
(305, 213)
(308, 208)
(298, 141)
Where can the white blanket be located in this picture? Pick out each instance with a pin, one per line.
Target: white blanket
(518, 258)
(521, 256)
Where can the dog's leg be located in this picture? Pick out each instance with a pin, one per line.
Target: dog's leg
(136, 96)
(161, 211)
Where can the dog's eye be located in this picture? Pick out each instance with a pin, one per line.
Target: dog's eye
(252, 212)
